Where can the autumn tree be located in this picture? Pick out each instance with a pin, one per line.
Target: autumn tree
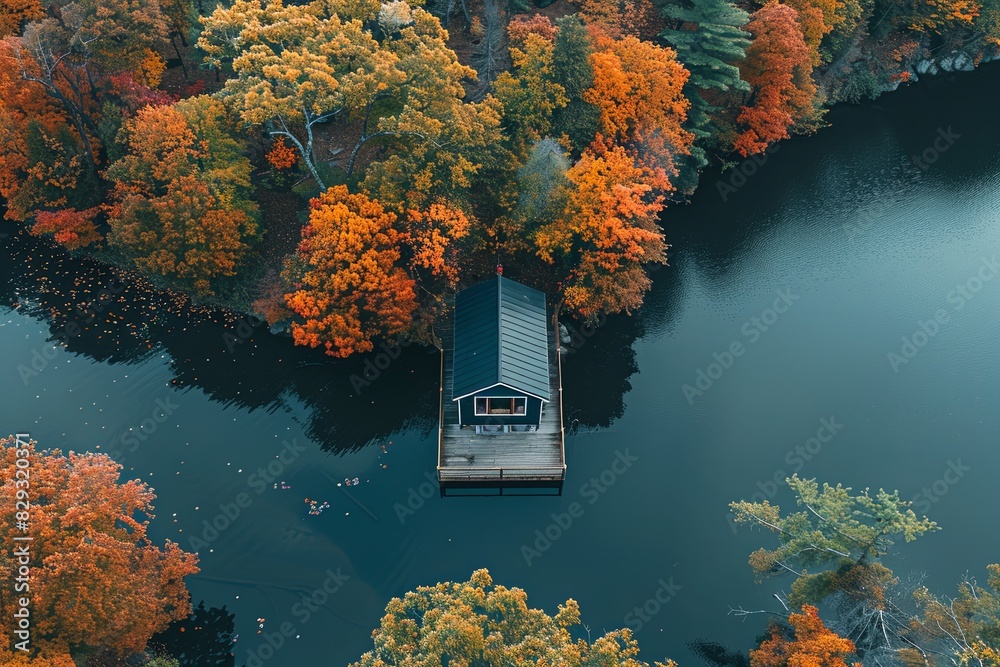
(620, 18)
(940, 18)
(181, 200)
(817, 18)
(812, 644)
(349, 287)
(606, 232)
(96, 577)
(529, 93)
(299, 65)
(433, 239)
(779, 68)
(294, 66)
(72, 228)
(118, 35)
(46, 171)
(965, 629)
(476, 622)
(44, 59)
(638, 89)
(432, 235)
(987, 24)
(15, 13)
(56, 174)
(438, 143)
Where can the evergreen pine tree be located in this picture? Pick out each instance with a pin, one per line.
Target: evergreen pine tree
(709, 38)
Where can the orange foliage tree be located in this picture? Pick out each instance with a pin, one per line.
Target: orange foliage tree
(607, 231)
(356, 273)
(96, 578)
(779, 68)
(431, 236)
(817, 18)
(74, 229)
(348, 285)
(13, 13)
(620, 18)
(814, 645)
(44, 165)
(940, 16)
(182, 207)
(638, 89)
(282, 156)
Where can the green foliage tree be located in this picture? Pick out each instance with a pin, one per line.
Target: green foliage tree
(841, 534)
(477, 623)
(578, 120)
(832, 525)
(709, 38)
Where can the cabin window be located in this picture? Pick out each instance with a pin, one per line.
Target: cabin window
(501, 405)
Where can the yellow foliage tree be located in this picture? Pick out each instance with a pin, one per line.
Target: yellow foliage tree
(475, 622)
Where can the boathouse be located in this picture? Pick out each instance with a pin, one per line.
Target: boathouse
(501, 393)
(501, 356)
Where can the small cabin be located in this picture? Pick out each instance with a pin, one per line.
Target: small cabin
(501, 358)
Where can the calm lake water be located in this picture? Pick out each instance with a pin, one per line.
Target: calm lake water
(843, 231)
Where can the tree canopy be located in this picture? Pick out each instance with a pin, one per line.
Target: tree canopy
(476, 622)
(96, 579)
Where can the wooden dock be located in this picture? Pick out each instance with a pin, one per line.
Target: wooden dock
(524, 460)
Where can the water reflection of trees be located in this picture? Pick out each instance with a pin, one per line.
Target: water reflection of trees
(97, 312)
(203, 639)
(597, 369)
(111, 318)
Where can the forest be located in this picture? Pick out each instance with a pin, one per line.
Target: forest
(340, 167)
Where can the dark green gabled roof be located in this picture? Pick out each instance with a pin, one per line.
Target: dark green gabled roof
(501, 338)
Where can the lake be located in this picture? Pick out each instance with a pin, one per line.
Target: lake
(831, 310)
